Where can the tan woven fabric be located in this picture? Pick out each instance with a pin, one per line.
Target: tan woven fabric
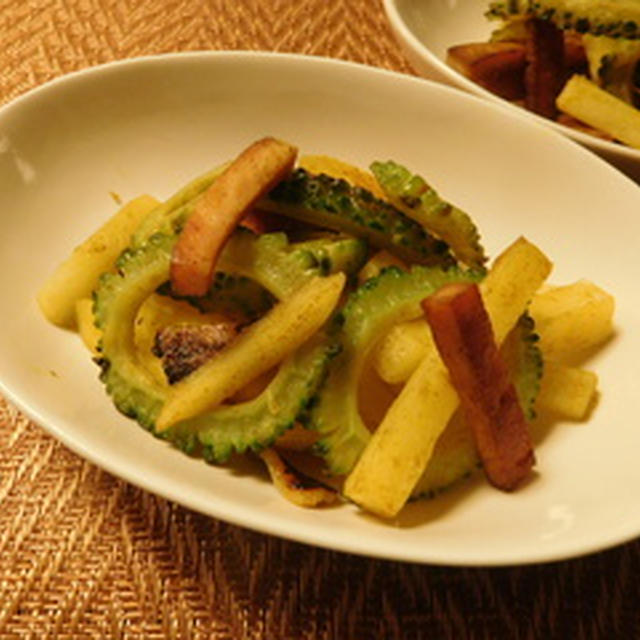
(85, 555)
(42, 39)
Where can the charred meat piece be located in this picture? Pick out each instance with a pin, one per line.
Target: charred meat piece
(185, 346)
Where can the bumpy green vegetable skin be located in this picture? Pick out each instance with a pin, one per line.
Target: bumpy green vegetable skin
(412, 195)
(524, 358)
(370, 311)
(455, 456)
(335, 204)
(613, 63)
(333, 254)
(133, 389)
(614, 18)
(256, 424)
(234, 296)
(270, 260)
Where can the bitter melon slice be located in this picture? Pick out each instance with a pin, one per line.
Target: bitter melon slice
(613, 63)
(614, 18)
(420, 201)
(333, 203)
(256, 424)
(282, 267)
(139, 272)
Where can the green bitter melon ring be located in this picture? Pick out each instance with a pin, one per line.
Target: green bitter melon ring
(613, 18)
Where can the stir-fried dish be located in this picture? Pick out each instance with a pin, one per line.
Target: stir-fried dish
(343, 325)
(572, 61)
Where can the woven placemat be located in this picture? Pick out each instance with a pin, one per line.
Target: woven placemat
(86, 555)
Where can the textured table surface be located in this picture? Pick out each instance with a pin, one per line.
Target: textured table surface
(85, 555)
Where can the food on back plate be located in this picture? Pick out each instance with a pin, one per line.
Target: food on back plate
(573, 61)
(464, 337)
(274, 306)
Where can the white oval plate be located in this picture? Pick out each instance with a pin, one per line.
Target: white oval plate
(425, 29)
(151, 124)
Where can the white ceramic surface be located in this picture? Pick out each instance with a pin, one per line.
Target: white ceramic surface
(151, 124)
(425, 29)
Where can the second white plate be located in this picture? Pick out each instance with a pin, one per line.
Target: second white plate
(425, 29)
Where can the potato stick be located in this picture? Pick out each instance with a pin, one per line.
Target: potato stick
(399, 353)
(399, 450)
(77, 276)
(515, 276)
(559, 310)
(259, 348)
(567, 392)
(586, 101)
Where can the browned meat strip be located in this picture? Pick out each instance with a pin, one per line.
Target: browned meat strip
(464, 337)
(544, 73)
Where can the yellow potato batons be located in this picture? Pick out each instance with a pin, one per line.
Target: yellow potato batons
(572, 320)
(77, 276)
(567, 392)
(586, 101)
